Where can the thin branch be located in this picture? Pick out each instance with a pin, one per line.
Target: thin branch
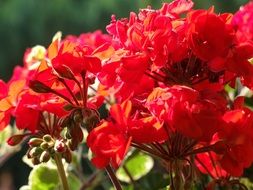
(113, 178)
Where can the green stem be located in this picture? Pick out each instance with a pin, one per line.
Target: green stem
(129, 175)
(61, 171)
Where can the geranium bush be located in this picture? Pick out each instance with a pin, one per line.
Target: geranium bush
(165, 91)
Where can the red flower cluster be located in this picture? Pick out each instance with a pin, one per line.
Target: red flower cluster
(164, 75)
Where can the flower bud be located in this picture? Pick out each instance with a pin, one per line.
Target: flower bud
(64, 71)
(15, 139)
(44, 145)
(47, 138)
(59, 146)
(28, 153)
(45, 156)
(77, 116)
(35, 151)
(76, 133)
(35, 161)
(67, 156)
(72, 144)
(91, 119)
(68, 107)
(67, 134)
(39, 87)
(34, 142)
(79, 133)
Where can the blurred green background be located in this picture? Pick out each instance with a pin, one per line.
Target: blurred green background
(25, 23)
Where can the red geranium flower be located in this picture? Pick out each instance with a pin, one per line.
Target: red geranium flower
(193, 114)
(27, 112)
(209, 35)
(238, 134)
(109, 145)
(110, 140)
(74, 57)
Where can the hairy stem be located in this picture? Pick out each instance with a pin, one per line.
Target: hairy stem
(61, 171)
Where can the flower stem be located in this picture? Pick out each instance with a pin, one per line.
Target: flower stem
(113, 178)
(61, 171)
(128, 174)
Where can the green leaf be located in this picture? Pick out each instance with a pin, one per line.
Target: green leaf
(137, 165)
(43, 177)
(46, 177)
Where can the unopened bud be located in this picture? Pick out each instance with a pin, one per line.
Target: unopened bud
(44, 145)
(28, 153)
(67, 134)
(91, 119)
(36, 151)
(35, 161)
(59, 146)
(64, 71)
(45, 156)
(15, 139)
(47, 138)
(34, 142)
(79, 134)
(39, 87)
(72, 144)
(67, 156)
(68, 107)
(76, 133)
(78, 118)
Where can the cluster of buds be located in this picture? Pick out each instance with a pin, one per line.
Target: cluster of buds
(42, 149)
(73, 131)
(73, 123)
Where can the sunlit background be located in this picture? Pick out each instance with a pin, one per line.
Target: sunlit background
(25, 23)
